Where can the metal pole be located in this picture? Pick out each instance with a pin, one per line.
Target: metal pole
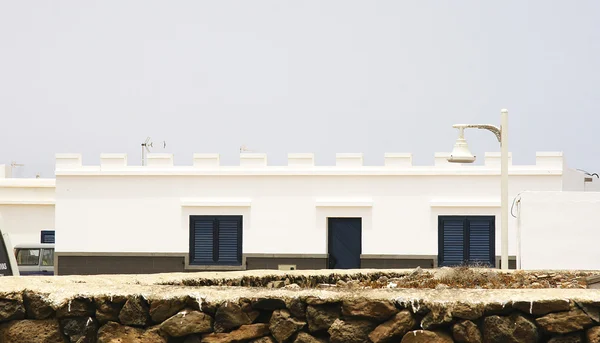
(504, 187)
(143, 153)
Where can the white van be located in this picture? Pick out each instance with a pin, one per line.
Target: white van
(35, 259)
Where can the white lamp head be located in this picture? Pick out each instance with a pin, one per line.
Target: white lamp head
(461, 152)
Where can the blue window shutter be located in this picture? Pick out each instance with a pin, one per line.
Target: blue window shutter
(203, 241)
(453, 242)
(48, 237)
(229, 234)
(480, 241)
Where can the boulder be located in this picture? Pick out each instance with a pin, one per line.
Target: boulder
(542, 307)
(572, 338)
(511, 329)
(135, 312)
(241, 334)
(466, 332)
(394, 328)
(564, 322)
(497, 308)
(267, 339)
(80, 329)
(593, 335)
(425, 336)
(11, 306)
(438, 315)
(470, 311)
(78, 307)
(161, 309)
(350, 331)
(230, 316)
(268, 304)
(112, 332)
(36, 306)
(320, 317)
(377, 310)
(283, 325)
(108, 308)
(31, 331)
(297, 307)
(303, 337)
(187, 322)
(592, 310)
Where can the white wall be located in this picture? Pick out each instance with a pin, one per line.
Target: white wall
(27, 207)
(560, 230)
(120, 208)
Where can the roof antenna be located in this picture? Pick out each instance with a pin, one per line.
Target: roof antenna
(244, 148)
(146, 148)
(13, 165)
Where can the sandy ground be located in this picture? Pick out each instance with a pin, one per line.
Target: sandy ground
(62, 288)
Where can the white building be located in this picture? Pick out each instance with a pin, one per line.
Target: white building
(117, 218)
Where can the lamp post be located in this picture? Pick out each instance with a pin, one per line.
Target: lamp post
(461, 154)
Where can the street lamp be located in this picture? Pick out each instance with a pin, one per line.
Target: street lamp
(462, 154)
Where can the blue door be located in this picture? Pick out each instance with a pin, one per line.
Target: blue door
(344, 237)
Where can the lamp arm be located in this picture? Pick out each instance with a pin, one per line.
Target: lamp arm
(493, 129)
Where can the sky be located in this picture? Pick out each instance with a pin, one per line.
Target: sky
(296, 76)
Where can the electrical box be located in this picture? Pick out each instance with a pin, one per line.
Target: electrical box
(287, 267)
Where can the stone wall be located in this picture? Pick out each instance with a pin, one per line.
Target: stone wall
(29, 316)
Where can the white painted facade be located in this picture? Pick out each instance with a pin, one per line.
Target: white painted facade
(26, 207)
(117, 208)
(559, 230)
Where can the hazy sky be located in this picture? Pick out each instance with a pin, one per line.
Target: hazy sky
(296, 76)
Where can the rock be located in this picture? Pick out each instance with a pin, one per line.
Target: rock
(36, 306)
(466, 332)
(268, 304)
(112, 332)
(78, 307)
(572, 338)
(317, 301)
(378, 310)
(80, 329)
(321, 317)
(283, 325)
(438, 315)
(425, 336)
(303, 337)
(497, 308)
(31, 331)
(267, 339)
(296, 307)
(187, 322)
(441, 286)
(161, 309)
(108, 308)
(350, 331)
(230, 316)
(293, 286)
(11, 306)
(393, 329)
(193, 339)
(468, 311)
(512, 329)
(135, 312)
(542, 307)
(242, 334)
(593, 311)
(564, 322)
(593, 335)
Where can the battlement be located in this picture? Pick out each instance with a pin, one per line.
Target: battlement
(353, 163)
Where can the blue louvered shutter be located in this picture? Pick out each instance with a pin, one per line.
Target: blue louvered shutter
(203, 241)
(480, 240)
(453, 241)
(229, 234)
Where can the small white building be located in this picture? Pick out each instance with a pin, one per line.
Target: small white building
(118, 218)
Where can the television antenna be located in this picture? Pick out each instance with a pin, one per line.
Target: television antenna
(13, 165)
(146, 148)
(244, 148)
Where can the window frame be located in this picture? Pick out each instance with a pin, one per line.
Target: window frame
(466, 236)
(45, 233)
(39, 257)
(215, 242)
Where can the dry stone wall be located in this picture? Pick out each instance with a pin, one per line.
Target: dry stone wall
(29, 317)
